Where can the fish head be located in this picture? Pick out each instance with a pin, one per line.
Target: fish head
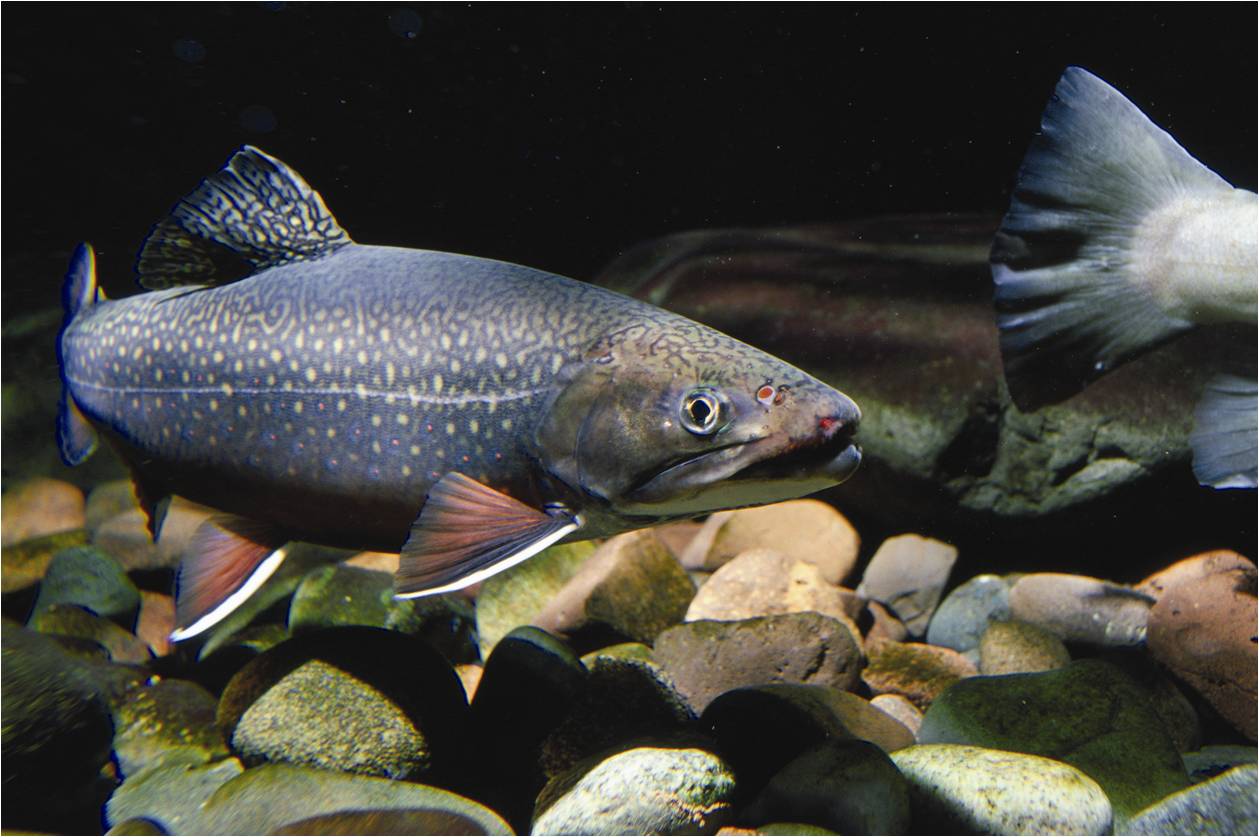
(674, 419)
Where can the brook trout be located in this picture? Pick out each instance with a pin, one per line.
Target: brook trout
(465, 412)
(1116, 241)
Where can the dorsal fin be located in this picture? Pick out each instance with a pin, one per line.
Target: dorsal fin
(252, 214)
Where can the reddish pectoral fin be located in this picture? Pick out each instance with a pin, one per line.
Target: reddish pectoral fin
(467, 532)
(227, 560)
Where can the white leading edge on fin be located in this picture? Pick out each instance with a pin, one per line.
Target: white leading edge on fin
(264, 571)
(494, 569)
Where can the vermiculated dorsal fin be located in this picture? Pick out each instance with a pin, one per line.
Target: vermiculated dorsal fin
(252, 214)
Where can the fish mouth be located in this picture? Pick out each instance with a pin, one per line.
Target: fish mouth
(752, 471)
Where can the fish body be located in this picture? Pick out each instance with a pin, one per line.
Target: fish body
(1116, 241)
(463, 411)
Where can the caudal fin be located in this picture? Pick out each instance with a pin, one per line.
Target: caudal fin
(1224, 432)
(75, 436)
(1071, 302)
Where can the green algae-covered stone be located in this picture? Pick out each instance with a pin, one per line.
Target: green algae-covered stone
(1089, 714)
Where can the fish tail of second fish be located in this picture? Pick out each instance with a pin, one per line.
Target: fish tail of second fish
(1082, 282)
(1223, 437)
(76, 438)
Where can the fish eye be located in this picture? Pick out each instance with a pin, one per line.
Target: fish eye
(701, 412)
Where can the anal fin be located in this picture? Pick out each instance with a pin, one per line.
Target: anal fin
(225, 563)
(1224, 428)
(467, 532)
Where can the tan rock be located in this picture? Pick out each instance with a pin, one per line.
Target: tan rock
(381, 562)
(1203, 628)
(908, 574)
(885, 627)
(805, 530)
(1077, 608)
(25, 563)
(678, 535)
(1019, 647)
(765, 582)
(1192, 569)
(916, 671)
(901, 709)
(40, 507)
(470, 677)
(631, 584)
(156, 621)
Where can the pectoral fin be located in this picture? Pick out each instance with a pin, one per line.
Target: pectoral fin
(225, 563)
(467, 532)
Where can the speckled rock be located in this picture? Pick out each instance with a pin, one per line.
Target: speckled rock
(765, 582)
(916, 671)
(355, 699)
(1223, 805)
(1213, 760)
(707, 658)
(40, 507)
(1076, 608)
(56, 733)
(161, 718)
(75, 621)
(1017, 647)
(974, 790)
(908, 574)
(25, 563)
(646, 790)
(632, 586)
(1088, 714)
(516, 596)
(802, 530)
(961, 619)
(628, 696)
(90, 578)
(1203, 628)
(762, 728)
(901, 709)
(847, 785)
(529, 687)
(171, 793)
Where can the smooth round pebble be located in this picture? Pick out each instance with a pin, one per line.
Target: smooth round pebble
(1017, 647)
(908, 574)
(848, 785)
(983, 791)
(767, 582)
(91, 578)
(963, 616)
(1203, 629)
(356, 699)
(516, 596)
(708, 658)
(803, 530)
(919, 672)
(1077, 608)
(646, 790)
(1089, 714)
(631, 586)
(39, 507)
(901, 709)
(1223, 805)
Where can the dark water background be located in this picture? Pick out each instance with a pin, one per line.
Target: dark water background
(560, 136)
(557, 136)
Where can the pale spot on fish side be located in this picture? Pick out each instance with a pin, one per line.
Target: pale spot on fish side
(450, 428)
